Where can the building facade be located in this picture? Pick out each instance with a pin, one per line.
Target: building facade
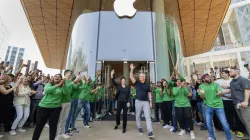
(13, 56)
(232, 45)
(4, 39)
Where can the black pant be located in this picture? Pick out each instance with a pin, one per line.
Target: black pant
(92, 109)
(6, 117)
(122, 106)
(99, 106)
(158, 106)
(232, 117)
(167, 112)
(44, 114)
(184, 116)
(132, 105)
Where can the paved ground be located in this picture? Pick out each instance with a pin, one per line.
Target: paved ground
(104, 131)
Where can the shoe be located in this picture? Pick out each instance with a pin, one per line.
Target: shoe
(68, 133)
(116, 127)
(232, 132)
(133, 113)
(110, 114)
(209, 138)
(64, 136)
(240, 134)
(13, 132)
(151, 135)
(182, 132)
(31, 125)
(167, 126)
(21, 130)
(74, 130)
(203, 128)
(171, 129)
(1, 136)
(140, 131)
(199, 123)
(87, 126)
(192, 135)
(124, 131)
(47, 125)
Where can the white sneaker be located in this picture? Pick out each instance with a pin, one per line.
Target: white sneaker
(13, 132)
(133, 113)
(47, 125)
(1, 136)
(192, 135)
(167, 126)
(64, 136)
(171, 129)
(21, 130)
(181, 133)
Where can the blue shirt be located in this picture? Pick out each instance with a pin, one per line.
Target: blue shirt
(142, 90)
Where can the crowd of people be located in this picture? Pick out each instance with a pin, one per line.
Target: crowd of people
(35, 100)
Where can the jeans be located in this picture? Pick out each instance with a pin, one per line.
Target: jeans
(92, 110)
(174, 122)
(201, 108)
(43, 115)
(86, 106)
(70, 119)
(132, 105)
(33, 108)
(143, 106)
(22, 116)
(221, 115)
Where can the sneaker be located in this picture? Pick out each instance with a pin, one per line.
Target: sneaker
(209, 138)
(192, 135)
(167, 126)
(239, 134)
(75, 130)
(64, 136)
(232, 132)
(87, 126)
(1, 136)
(140, 131)
(124, 131)
(151, 135)
(182, 132)
(116, 127)
(199, 123)
(13, 132)
(21, 130)
(172, 129)
(203, 128)
(68, 133)
(110, 113)
(133, 113)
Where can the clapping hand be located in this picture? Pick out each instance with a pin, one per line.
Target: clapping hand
(132, 66)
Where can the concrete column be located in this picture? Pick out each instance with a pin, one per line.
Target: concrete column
(188, 67)
(243, 70)
(126, 72)
(211, 62)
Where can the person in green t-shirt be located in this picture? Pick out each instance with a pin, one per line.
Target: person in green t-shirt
(167, 105)
(158, 100)
(132, 102)
(84, 97)
(211, 93)
(92, 100)
(50, 106)
(183, 108)
(100, 93)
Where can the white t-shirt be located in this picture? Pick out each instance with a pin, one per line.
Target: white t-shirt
(227, 84)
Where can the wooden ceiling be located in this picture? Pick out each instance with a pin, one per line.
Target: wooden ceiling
(52, 22)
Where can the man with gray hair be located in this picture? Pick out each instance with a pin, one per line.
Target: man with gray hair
(143, 101)
(240, 89)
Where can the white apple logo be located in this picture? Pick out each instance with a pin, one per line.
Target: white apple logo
(124, 8)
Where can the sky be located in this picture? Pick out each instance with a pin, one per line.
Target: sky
(14, 18)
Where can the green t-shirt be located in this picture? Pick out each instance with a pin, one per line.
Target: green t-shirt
(133, 93)
(53, 96)
(66, 98)
(180, 97)
(158, 97)
(92, 97)
(76, 90)
(100, 92)
(212, 99)
(167, 97)
(85, 93)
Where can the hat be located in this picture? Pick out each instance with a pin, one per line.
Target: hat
(204, 76)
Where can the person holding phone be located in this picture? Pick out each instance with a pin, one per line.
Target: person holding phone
(123, 100)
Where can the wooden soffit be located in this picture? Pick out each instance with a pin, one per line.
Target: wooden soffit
(199, 22)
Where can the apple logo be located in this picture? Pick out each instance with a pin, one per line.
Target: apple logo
(124, 8)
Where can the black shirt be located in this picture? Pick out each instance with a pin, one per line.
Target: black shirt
(238, 87)
(142, 90)
(122, 93)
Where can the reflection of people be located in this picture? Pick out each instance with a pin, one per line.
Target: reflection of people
(143, 101)
(123, 99)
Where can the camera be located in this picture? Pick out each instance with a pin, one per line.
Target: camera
(246, 65)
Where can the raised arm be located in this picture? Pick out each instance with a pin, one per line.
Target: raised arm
(112, 78)
(132, 67)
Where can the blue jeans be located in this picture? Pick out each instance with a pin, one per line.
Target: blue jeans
(221, 115)
(201, 108)
(174, 119)
(86, 106)
(71, 118)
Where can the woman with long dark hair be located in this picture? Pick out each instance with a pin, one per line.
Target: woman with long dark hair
(123, 100)
(50, 107)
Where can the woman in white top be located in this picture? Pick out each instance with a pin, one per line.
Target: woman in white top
(22, 105)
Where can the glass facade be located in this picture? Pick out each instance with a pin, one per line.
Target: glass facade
(146, 38)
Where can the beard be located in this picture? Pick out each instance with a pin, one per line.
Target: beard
(208, 81)
(232, 76)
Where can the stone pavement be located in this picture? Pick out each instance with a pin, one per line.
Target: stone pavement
(104, 131)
